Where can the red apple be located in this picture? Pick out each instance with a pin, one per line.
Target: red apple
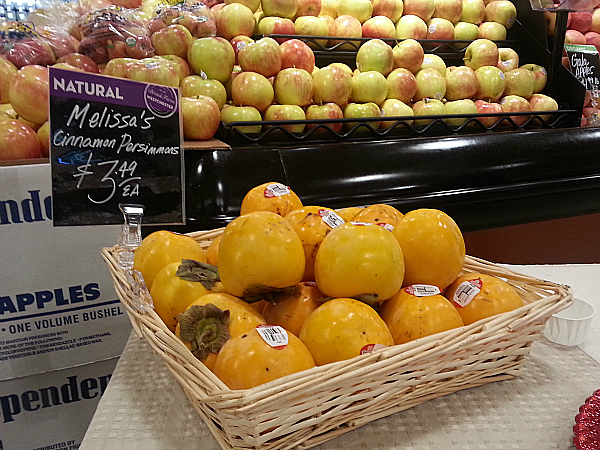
(411, 27)
(252, 89)
(519, 82)
(428, 107)
(485, 107)
(61, 44)
(172, 40)
(379, 27)
(7, 72)
(308, 8)
(581, 21)
(325, 111)
(369, 87)
(375, 55)
(263, 57)
(280, 8)
(408, 54)
(421, 8)
(345, 27)
(501, 11)
(540, 76)
(361, 9)
(332, 85)
(541, 102)
(293, 87)
(195, 85)
(231, 114)
(392, 9)
(481, 52)
(461, 83)
(83, 62)
(28, 92)
(593, 38)
(402, 85)
(448, 9)
(235, 19)
(43, 134)
(29, 51)
(462, 106)
(276, 25)
(213, 56)
(361, 111)
(154, 70)
(18, 141)
(201, 117)
(508, 59)
(312, 26)
(493, 31)
(430, 84)
(296, 54)
(515, 103)
(491, 83)
(286, 112)
(473, 11)
(394, 108)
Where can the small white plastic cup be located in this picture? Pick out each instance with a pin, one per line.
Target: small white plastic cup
(571, 325)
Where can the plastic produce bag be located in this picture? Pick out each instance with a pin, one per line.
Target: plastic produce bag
(194, 15)
(22, 44)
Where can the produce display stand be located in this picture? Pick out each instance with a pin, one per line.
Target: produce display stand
(313, 406)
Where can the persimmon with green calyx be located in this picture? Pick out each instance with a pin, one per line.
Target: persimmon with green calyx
(161, 248)
(360, 261)
(206, 328)
(260, 253)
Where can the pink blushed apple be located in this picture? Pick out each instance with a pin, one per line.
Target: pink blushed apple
(276, 25)
(515, 103)
(430, 84)
(262, 56)
(43, 134)
(286, 112)
(493, 31)
(433, 61)
(448, 9)
(541, 102)
(28, 93)
(540, 76)
(490, 83)
(194, 85)
(252, 89)
(508, 59)
(593, 38)
(213, 56)
(172, 40)
(280, 8)
(380, 27)
(481, 52)
(18, 141)
(421, 8)
(312, 26)
(118, 67)
(180, 65)
(293, 87)
(485, 107)
(230, 114)
(369, 87)
(361, 9)
(327, 111)
(473, 11)
(308, 8)
(428, 107)
(402, 85)
(252, 4)
(395, 108)
(519, 82)
(501, 11)
(459, 107)
(411, 27)
(392, 9)
(581, 21)
(408, 54)
(361, 111)
(154, 70)
(296, 54)
(461, 83)
(235, 19)
(438, 28)
(238, 43)
(345, 27)
(201, 117)
(332, 85)
(574, 37)
(83, 62)
(7, 72)
(375, 55)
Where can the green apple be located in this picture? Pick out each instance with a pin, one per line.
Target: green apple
(375, 55)
(491, 83)
(231, 114)
(369, 87)
(394, 108)
(540, 76)
(213, 56)
(464, 106)
(361, 111)
(481, 52)
(501, 11)
(519, 82)
(493, 31)
(332, 85)
(432, 61)
(196, 85)
(428, 107)
(465, 31)
(293, 87)
(430, 84)
(286, 112)
(473, 11)
(201, 117)
(361, 9)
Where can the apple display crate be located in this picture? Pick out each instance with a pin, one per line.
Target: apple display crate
(308, 408)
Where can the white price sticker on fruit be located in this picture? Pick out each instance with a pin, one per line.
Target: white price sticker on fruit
(422, 290)
(331, 218)
(276, 190)
(466, 292)
(274, 335)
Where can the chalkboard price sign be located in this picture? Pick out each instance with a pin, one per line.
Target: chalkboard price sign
(585, 64)
(114, 141)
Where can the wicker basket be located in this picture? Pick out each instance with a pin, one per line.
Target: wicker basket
(308, 408)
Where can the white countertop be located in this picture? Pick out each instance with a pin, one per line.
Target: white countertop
(145, 408)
